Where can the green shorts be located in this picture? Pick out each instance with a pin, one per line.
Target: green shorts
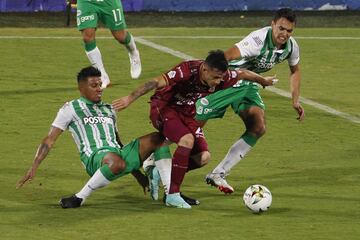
(129, 153)
(241, 96)
(110, 12)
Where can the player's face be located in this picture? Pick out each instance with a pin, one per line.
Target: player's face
(212, 76)
(92, 89)
(282, 30)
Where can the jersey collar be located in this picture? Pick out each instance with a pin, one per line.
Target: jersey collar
(87, 101)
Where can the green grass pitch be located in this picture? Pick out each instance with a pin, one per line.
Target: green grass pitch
(312, 168)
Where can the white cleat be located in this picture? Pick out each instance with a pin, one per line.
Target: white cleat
(135, 64)
(218, 180)
(105, 80)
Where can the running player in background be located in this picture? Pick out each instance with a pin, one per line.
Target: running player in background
(260, 51)
(173, 111)
(110, 12)
(93, 127)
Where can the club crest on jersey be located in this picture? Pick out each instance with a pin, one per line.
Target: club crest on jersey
(204, 101)
(171, 74)
(96, 120)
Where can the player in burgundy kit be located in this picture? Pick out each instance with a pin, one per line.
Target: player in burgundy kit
(173, 109)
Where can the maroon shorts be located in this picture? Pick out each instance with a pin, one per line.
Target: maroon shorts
(174, 125)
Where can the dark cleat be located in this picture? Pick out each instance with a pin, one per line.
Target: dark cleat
(71, 202)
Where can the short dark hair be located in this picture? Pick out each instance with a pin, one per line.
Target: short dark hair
(87, 72)
(287, 13)
(216, 59)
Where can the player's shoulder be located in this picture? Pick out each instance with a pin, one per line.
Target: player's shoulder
(260, 33)
(294, 42)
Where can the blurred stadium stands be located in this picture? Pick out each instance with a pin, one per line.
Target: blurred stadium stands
(188, 5)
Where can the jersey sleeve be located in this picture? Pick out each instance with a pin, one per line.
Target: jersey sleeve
(63, 117)
(251, 45)
(295, 55)
(179, 73)
(230, 78)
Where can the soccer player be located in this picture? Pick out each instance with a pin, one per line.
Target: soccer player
(173, 111)
(110, 12)
(93, 127)
(260, 51)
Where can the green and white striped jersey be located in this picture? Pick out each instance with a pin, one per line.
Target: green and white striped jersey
(259, 54)
(92, 125)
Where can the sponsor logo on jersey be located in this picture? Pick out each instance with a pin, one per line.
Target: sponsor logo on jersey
(86, 18)
(258, 41)
(171, 74)
(78, 13)
(96, 120)
(199, 110)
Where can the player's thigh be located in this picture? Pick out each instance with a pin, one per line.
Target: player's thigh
(215, 104)
(86, 16)
(253, 117)
(173, 127)
(112, 15)
(148, 144)
(250, 97)
(130, 153)
(93, 163)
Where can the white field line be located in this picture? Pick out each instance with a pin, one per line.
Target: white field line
(280, 92)
(175, 37)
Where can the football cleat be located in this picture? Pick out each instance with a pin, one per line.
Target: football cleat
(154, 181)
(175, 200)
(105, 80)
(135, 64)
(218, 180)
(190, 201)
(71, 202)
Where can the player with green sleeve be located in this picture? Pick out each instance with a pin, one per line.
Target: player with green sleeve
(260, 51)
(92, 124)
(110, 12)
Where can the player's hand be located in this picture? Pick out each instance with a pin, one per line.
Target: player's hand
(300, 111)
(121, 103)
(269, 81)
(29, 176)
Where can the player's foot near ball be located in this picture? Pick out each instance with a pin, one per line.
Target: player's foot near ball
(175, 200)
(154, 181)
(71, 202)
(218, 180)
(135, 64)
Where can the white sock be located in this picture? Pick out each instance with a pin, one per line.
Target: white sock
(164, 168)
(95, 59)
(237, 152)
(97, 181)
(131, 47)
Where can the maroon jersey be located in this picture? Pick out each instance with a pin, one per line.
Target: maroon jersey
(185, 88)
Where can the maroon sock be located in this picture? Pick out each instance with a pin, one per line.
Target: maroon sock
(180, 162)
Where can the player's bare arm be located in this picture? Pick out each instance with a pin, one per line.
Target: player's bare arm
(254, 77)
(123, 102)
(41, 153)
(232, 53)
(295, 79)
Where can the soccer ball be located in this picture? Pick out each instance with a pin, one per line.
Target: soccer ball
(257, 198)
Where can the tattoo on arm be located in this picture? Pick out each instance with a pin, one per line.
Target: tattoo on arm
(42, 152)
(148, 86)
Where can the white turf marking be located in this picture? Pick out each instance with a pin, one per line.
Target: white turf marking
(174, 37)
(272, 89)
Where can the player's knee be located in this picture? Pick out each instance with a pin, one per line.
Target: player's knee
(205, 158)
(115, 163)
(120, 35)
(259, 130)
(187, 141)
